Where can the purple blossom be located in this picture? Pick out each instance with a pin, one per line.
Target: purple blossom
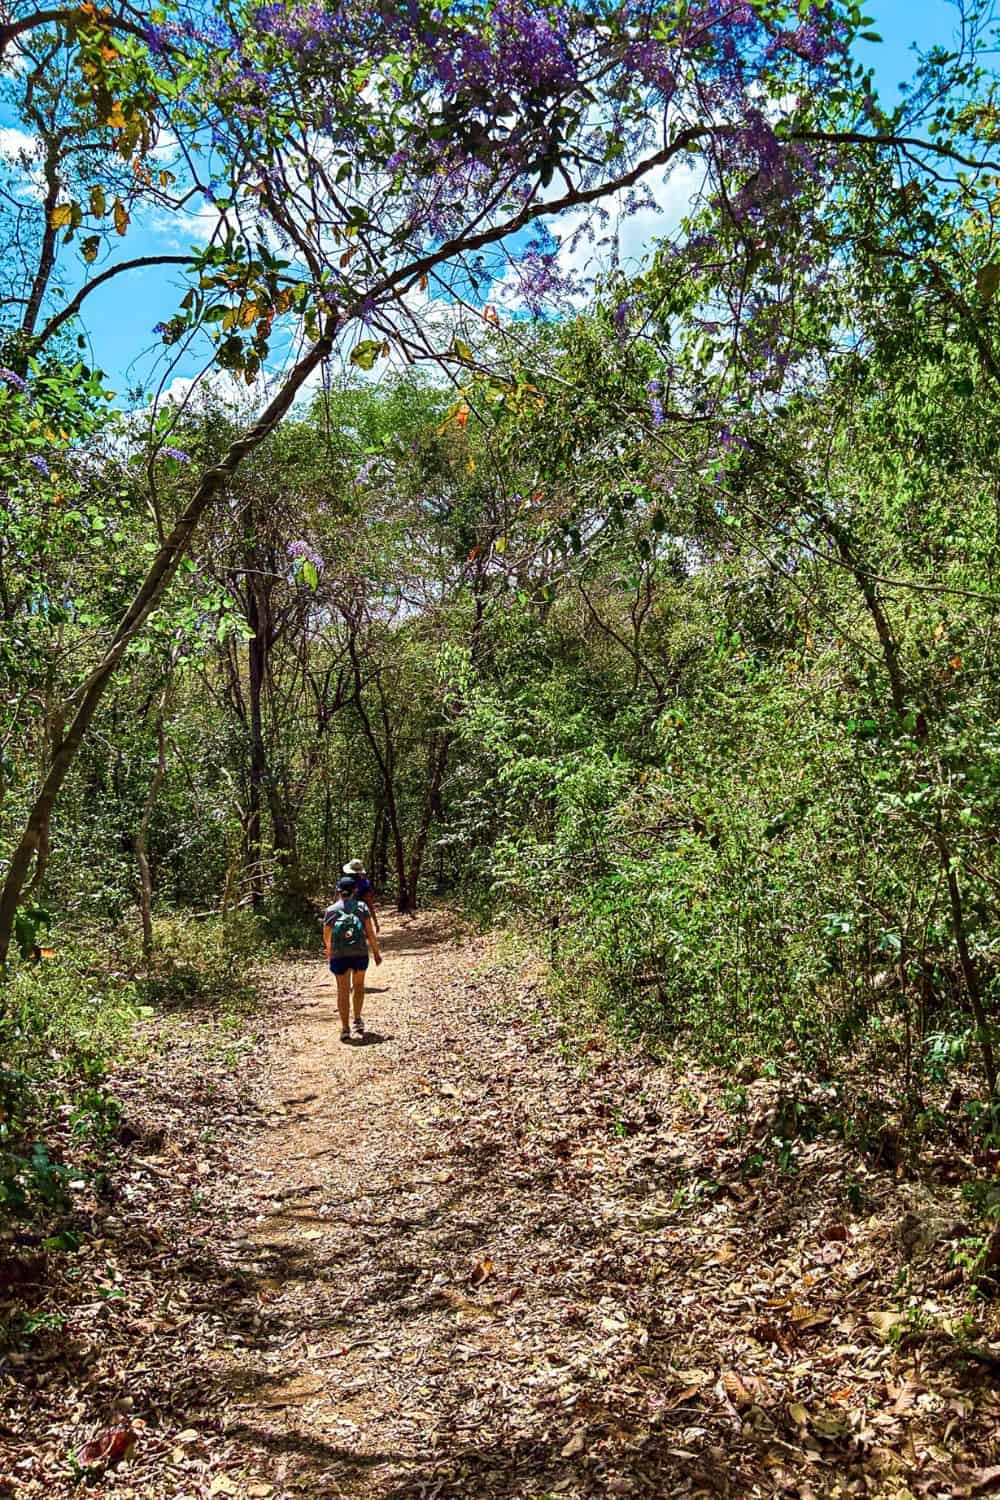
(301, 551)
(177, 453)
(37, 462)
(656, 411)
(11, 378)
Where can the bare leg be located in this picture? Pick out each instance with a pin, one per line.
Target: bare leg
(344, 999)
(359, 992)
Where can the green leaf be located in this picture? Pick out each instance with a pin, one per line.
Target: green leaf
(461, 348)
(366, 353)
(310, 573)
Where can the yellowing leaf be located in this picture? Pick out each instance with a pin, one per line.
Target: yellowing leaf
(120, 216)
(98, 203)
(798, 1414)
(885, 1321)
(61, 215)
(115, 118)
(366, 353)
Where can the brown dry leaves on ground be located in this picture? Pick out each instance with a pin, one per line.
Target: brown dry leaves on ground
(470, 1259)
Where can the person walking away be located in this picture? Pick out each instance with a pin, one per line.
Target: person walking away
(364, 890)
(348, 934)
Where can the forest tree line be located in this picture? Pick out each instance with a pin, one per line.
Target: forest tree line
(660, 627)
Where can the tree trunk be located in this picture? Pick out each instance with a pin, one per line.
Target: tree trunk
(969, 971)
(377, 874)
(141, 841)
(432, 808)
(384, 761)
(86, 700)
(47, 252)
(256, 665)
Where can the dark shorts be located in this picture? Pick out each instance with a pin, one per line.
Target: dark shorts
(348, 961)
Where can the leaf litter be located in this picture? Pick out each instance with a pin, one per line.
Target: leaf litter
(477, 1256)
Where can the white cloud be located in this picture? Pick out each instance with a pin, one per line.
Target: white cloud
(610, 235)
(15, 143)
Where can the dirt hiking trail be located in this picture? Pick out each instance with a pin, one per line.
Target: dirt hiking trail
(474, 1257)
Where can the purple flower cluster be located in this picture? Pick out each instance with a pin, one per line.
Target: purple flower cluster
(177, 453)
(654, 63)
(541, 281)
(301, 28)
(300, 551)
(37, 462)
(11, 378)
(526, 54)
(811, 40)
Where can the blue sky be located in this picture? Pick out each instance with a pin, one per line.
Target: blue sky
(122, 315)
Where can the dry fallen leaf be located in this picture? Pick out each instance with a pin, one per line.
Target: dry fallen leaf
(736, 1390)
(482, 1270)
(885, 1320)
(109, 1447)
(575, 1445)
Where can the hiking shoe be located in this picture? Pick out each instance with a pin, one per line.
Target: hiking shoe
(345, 1035)
(359, 1028)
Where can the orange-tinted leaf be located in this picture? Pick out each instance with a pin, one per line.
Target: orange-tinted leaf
(734, 1388)
(109, 1447)
(482, 1270)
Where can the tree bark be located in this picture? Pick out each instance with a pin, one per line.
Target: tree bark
(969, 971)
(47, 253)
(432, 807)
(85, 701)
(256, 664)
(142, 839)
(384, 762)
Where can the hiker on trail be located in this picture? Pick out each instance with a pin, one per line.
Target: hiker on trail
(348, 932)
(365, 891)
